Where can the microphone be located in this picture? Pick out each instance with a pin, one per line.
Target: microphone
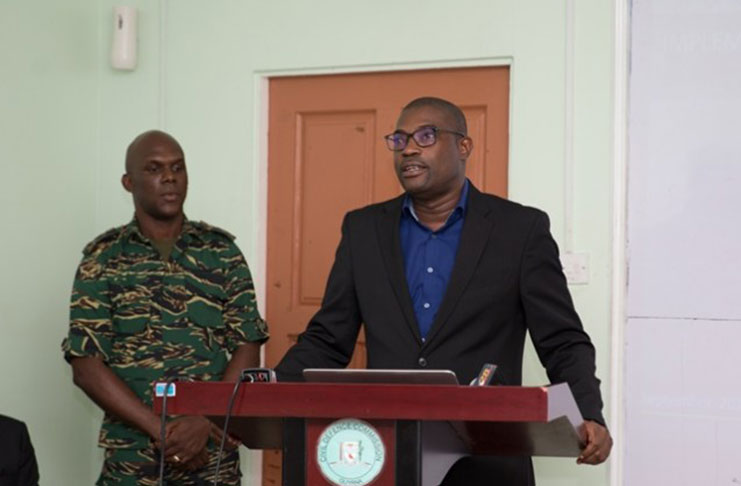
(486, 375)
(258, 375)
(247, 375)
(164, 390)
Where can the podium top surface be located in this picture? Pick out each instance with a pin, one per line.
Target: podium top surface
(375, 401)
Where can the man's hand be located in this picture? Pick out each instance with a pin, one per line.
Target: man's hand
(186, 439)
(598, 444)
(198, 462)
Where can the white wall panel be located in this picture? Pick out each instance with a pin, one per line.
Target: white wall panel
(683, 403)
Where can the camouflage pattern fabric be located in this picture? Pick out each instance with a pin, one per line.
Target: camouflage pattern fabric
(127, 467)
(149, 319)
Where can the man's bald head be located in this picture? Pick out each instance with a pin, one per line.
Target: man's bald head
(454, 114)
(143, 143)
(156, 176)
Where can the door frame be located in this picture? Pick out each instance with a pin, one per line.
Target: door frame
(619, 259)
(259, 152)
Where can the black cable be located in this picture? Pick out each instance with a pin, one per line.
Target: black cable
(163, 429)
(224, 432)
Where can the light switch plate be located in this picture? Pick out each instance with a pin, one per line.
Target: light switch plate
(576, 267)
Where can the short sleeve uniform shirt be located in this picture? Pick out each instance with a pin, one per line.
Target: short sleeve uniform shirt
(151, 319)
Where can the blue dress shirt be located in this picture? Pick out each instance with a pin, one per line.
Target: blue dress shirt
(429, 257)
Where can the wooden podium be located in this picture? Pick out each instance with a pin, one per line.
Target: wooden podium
(424, 428)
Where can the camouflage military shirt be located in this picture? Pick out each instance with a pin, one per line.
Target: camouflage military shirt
(149, 319)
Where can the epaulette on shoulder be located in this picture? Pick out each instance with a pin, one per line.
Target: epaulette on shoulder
(207, 227)
(102, 240)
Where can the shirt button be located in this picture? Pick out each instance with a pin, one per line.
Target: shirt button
(426, 305)
(422, 362)
(430, 270)
(433, 236)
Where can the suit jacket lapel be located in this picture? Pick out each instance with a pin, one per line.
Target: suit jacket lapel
(390, 244)
(476, 229)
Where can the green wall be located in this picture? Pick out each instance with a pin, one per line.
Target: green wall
(67, 116)
(48, 167)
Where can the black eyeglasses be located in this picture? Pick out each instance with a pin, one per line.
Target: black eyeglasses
(423, 137)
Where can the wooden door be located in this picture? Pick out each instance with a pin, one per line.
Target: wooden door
(326, 156)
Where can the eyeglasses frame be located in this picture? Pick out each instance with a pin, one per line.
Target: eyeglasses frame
(409, 136)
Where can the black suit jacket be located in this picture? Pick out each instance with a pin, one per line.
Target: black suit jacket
(507, 280)
(17, 459)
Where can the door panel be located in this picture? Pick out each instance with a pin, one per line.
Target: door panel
(325, 140)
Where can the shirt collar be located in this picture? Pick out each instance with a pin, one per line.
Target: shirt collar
(408, 208)
(132, 230)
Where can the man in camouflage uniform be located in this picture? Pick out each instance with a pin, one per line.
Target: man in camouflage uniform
(161, 297)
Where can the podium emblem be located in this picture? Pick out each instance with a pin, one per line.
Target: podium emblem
(350, 452)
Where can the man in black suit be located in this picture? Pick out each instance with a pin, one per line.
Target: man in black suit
(17, 459)
(446, 277)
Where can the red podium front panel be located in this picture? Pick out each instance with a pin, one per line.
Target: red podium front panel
(454, 420)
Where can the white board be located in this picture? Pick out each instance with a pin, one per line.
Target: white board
(684, 192)
(683, 339)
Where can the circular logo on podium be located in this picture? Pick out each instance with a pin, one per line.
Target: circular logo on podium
(350, 452)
